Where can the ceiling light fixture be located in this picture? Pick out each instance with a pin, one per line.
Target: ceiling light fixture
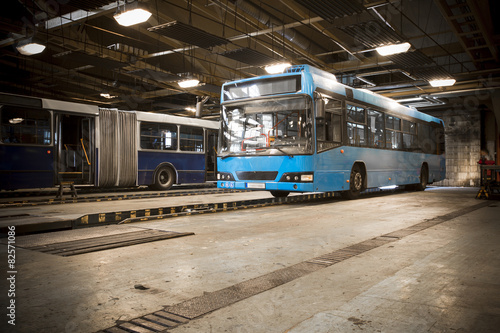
(393, 49)
(277, 68)
(188, 83)
(28, 47)
(442, 83)
(132, 14)
(106, 95)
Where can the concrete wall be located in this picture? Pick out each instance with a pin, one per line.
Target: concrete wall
(463, 144)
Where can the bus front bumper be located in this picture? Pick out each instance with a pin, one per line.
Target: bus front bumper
(267, 186)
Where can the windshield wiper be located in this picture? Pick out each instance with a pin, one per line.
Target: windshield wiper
(279, 149)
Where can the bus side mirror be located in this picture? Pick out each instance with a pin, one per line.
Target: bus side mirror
(320, 108)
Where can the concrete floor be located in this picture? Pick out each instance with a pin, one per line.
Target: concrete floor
(441, 279)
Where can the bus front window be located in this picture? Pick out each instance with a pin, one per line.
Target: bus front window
(267, 127)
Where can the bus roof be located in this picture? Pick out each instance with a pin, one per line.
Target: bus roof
(327, 82)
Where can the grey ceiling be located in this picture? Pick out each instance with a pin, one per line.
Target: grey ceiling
(220, 40)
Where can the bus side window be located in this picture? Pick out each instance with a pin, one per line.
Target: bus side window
(191, 139)
(356, 125)
(329, 128)
(376, 129)
(393, 132)
(26, 126)
(158, 136)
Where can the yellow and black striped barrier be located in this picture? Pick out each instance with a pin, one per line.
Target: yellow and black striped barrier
(185, 210)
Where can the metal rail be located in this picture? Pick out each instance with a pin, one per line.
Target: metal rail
(56, 201)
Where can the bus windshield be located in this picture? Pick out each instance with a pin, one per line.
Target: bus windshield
(278, 126)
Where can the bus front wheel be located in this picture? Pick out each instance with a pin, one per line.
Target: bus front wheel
(356, 183)
(164, 179)
(280, 194)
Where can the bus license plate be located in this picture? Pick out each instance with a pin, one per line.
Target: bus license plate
(256, 185)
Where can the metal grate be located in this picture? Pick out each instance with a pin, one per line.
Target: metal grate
(188, 34)
(88, 5)
(249, 56)
(257, 175)
(95, 244)
(155, 75)
(430, 73)
(410, 59)
(330, 10)
(372, 34)
(74, 59)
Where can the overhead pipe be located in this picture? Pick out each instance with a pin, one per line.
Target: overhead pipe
(200, 101)
(270, 21)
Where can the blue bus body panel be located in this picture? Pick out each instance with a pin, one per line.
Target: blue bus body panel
(384, 167)
(190, 167)
(26, 167)
(282, 164)
(332, 169)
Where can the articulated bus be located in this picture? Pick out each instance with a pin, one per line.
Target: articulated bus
(45, 143)
(302, 131)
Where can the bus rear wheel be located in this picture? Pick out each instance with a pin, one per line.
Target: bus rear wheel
(424, 178)
(164, 179)
(280, 194)
(356, 183)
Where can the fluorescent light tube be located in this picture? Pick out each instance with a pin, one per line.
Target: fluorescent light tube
(278, 68)
(393, 49)
(131, 17)
(188, 83)
(30, 48)
(442, 83)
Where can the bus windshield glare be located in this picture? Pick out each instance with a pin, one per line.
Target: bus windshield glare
(278, 126)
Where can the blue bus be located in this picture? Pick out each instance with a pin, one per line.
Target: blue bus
(45, 143)
(302, 131)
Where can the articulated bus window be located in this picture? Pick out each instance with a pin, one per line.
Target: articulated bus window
(158, 136)
(191, 139)
(25, 126)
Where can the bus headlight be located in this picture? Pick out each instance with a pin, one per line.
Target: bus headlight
(305, 177)
(225, 176)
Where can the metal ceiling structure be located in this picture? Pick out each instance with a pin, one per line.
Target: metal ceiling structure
(215, 41)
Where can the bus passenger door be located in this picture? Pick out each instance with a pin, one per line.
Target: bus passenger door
(211, 155)
(75, 149)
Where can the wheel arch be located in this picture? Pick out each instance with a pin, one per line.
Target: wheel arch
(165, 164)
(425, 165)
(362, 166)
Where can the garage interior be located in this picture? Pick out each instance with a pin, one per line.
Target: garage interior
(395, 261)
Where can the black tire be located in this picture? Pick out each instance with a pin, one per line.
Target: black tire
(424, 178)
(164, 179)
(356, 183)
(280, 194)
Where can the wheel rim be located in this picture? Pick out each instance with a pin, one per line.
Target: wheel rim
(164, 177)
(357, 181)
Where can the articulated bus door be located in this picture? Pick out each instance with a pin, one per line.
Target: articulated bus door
(75, 149)
(211, 155)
